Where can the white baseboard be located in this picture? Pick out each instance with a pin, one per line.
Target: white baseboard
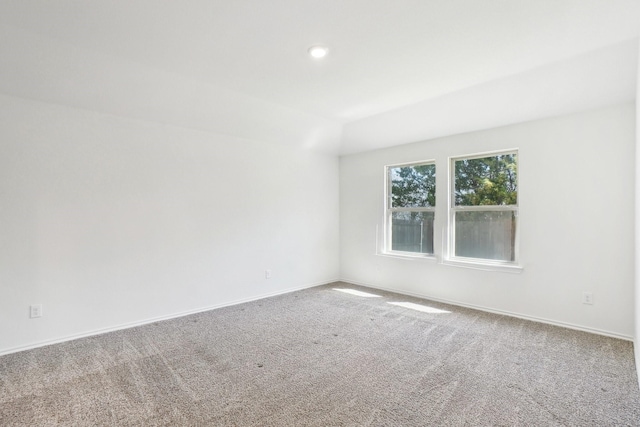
(636, 353)
(158, 319)
(502, 312)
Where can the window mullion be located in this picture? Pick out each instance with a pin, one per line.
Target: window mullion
(485, 208)
(411, 210)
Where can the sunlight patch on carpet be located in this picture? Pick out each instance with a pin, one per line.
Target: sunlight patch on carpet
(357, 293)
(420, 307)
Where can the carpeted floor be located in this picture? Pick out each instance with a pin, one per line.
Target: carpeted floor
(322, 357)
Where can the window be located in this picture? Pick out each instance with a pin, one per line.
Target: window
(484, 208)
(410, 208)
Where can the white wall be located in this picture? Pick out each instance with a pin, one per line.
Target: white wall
(637, 231)
(597, 78)
(35, 66)
(108, 221)
(576, 215)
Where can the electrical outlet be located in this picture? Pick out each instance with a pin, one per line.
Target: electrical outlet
(35, 311)
(587, 298)
(267, 274)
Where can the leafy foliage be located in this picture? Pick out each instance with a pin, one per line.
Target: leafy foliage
(479, 233)
(413, 186)
(486, 181)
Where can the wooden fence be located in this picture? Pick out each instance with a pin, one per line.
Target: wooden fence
(412, 236)
(491, 238)
(478, 236)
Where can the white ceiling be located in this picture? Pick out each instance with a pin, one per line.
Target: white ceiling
(397, 72)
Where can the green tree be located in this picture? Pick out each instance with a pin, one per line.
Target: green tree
(486, 181)
(413, 186)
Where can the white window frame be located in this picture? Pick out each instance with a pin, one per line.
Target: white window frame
(482, 263)
(389, 210)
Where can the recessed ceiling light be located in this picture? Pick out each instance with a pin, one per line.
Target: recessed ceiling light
(318, 51)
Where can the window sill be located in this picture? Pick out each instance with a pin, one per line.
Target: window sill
(478, 265)
(407, 256)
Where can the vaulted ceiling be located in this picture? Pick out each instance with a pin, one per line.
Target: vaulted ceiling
(397, 72)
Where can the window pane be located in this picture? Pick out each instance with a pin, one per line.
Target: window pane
(413, 186)
(489, 235)
(486, 181)
(412, 232)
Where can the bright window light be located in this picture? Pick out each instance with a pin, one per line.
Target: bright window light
(420, 307)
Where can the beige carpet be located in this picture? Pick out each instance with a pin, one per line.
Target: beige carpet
(323, 357)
